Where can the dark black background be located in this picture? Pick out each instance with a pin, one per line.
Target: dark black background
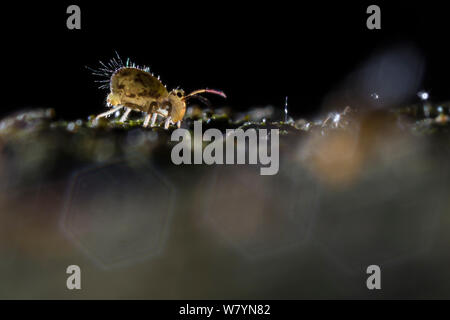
(257, 52)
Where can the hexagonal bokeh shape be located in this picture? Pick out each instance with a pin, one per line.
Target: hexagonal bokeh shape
(117, 213)
(259, 215)
(387, 217)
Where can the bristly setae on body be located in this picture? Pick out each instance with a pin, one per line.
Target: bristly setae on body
(134, 88)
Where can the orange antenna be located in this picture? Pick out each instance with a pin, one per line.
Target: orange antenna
(217, 92)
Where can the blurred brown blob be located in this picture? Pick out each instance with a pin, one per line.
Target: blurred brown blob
(338, 158)
(334, 159)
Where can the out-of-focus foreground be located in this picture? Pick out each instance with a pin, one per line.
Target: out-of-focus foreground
(358, 189)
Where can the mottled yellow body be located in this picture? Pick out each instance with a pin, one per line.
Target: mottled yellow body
(137, 89)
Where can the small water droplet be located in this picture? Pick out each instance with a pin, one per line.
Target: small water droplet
(375, 96)
(286, 109)
(336, 119)
(423, 95)
(71, 126)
